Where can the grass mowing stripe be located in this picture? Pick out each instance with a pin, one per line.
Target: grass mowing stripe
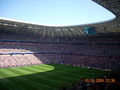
(44, 66)
(8, 73)
(63, 75)
(28, 80)
(40, 75)
(18, 70)
(78, 74)
(60, 72)
(29, 72)
(3, 87)
(9, 84)
(75, 70)
(44, 81)
(61, 78)
(32, 79)
(30, 84)
(41, 70)
(12, 72)
(69, 67)
(46, 77)
(2, 74)
(53, 74)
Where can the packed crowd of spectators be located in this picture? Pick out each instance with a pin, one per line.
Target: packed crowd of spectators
(18, 60)
(8, 36)
(98, 56)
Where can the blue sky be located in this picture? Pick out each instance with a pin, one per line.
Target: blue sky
(55, 12)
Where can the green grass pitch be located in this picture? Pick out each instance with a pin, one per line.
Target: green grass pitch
(43, 77)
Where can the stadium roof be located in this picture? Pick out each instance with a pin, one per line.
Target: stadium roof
(111, 27)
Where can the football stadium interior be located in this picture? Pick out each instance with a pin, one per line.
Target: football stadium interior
(39, 57)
